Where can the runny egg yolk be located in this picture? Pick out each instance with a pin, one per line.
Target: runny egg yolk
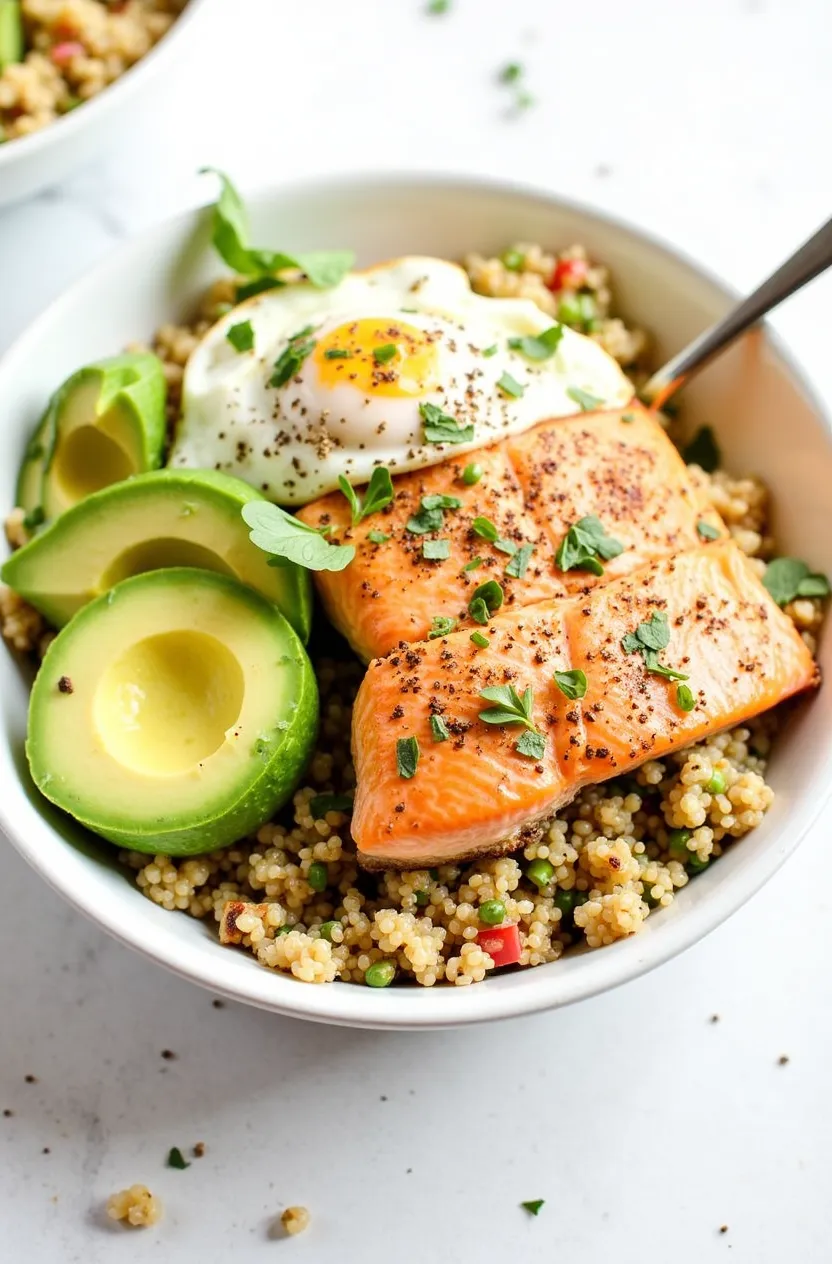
(379, 356)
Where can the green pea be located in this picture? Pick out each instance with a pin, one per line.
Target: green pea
(540, 872)
(717, 783)
(568, 901)
(577, 310)
(514, 260)
(327, 929)
(492, 912)
(695, 865)
(472, 474)
(647, 895)
(380, 974)
(283, 930)
(318, 876)
(677, 843)
(422, 898)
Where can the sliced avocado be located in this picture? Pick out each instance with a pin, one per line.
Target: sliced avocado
(104, 424)
(153, 521)
(173, 715)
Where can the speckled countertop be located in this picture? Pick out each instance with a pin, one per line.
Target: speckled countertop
(648, 1118)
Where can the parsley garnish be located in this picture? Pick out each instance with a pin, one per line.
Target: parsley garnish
(511, 73)
(705, 531)
(584, 543)
(437, 7)
(241, 336)
(519, 563)
(337, 353)
(323, 268)
(510, 386)
(431, 514)
(277, 532)
(176, 1159)
(320, 804)
(572, 684)
(787, 578)
(540, 346)
(532, 745)
(436, 550)
(379, 494)
(488, 352)
(377, 537)
(628, 417)
(485, 528)
(685, 700)
(439, 729)
(533, 1206)
(440, 427)
(511, 708)
(260, 285)
(583, 399)
(487, 598)
(649, 639)
(441, 625)
(703, 450)
(407, 757)
(482, 642)
(438, 501)
(290, 360)
(382, 355)
(473, 564)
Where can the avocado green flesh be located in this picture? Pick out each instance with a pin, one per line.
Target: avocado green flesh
(104, 424)
(158, 520)
(186, 717)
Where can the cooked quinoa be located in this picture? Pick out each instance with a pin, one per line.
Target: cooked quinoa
(295, 1220)
(72, 49)
(619, 851)
(136, 1205)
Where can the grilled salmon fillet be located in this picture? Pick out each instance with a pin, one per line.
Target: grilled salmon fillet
(474, 792)
(618, 466)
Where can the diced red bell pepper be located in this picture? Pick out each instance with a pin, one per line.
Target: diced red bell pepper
(569, 274)
(502, 943)
(62, 54)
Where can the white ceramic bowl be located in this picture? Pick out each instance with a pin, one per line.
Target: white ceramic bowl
(31, 163)
(766, 419)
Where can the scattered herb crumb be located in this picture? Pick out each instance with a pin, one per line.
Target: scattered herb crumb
(177, 1159)
(714, 1018)
(407, 757)
(437, 7)
(533, 1205)
(439, 729)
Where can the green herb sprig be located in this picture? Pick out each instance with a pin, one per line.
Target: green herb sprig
(584, 544)
(649, 639)
(378, 495)
(288, 539)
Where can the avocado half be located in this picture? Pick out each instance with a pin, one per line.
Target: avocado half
(175, 714)
(153, 521)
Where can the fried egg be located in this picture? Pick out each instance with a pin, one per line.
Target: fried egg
(400, 366)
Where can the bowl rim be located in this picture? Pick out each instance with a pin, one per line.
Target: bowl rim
(115, 94)
(521, 993)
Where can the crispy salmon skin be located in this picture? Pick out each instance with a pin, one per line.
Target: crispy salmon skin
(420, 560)
(474, 791)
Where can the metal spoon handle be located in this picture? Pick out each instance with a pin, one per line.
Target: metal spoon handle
(813, 257)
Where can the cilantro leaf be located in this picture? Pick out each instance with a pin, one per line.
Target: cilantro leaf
(441, 625)
(584, 543)
(519, 563)
(655, 632)
(241, 336)
(533, 1206)
(289, 540)
(703, 450)
(441, 502)
(706, 531)
(583, 399)
(439, 729)
(176, 1159)
(510, 386)
(572, 684)
(540, 346)
(510, 707)
(649, 638)
(787, 578)
(485, 528)
(436, 550)
(431, 514)
(440, 427)
(531, 744)
(407, 757)
(487, 598)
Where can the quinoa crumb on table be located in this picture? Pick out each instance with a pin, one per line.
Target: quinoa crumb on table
(72, 50)
(294, 894)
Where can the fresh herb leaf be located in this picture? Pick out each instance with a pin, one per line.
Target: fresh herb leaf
(482, 642)
(487, 598)
(706, 531)
(572, 684)
(474, 564)
(431, 514)
(583, 399)
(439, 729)
(485, 528)
(505, 546)
(290, 360)
(519, 563)
(488, 352)
(649, 639)
(511, 72)
(510, 386)
(378, 495)
(260, 285)
(510, 707)
(533, 1206)
(524, 100)
(437, 7)
(289, 540)
(440, 427)
(441, 625)
(584, 543)
(703, 450)
(377, 537)
(383, 355)
(241, 336)
(230, 231)
(407, 757)
(352, 497)
(787, 578)
(654, 633)
(531, 744)
(320, 804)
(685, 700)
(176, 1159)
(441, 502)
(628, 417)
(436, 550)
(540, 346)
(337, 353)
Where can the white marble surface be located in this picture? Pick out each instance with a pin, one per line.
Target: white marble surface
(644, 1125)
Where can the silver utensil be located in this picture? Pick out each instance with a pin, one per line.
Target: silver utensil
(813, 257)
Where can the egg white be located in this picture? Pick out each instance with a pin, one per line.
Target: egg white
(293, 441)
